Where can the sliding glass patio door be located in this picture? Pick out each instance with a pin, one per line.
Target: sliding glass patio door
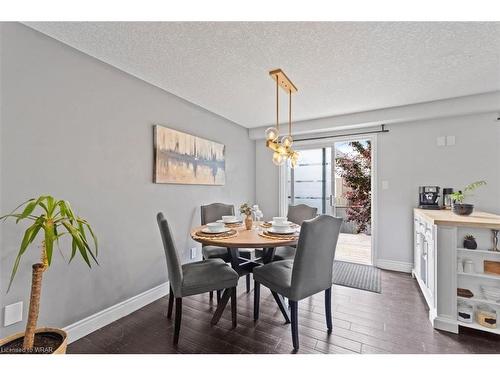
(336, 179)
(310, 182)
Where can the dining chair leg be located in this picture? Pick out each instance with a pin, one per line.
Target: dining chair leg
(218, 296)
(281, 304)
(211, 293)
(294, 306)
(178, 317)
(221, 306)
(268, 254)
(328, 309)
(170, 303)
(233, 306)
(248, 283)
(256, 300)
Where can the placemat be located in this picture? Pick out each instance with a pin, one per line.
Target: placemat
(279, 236)
(234, 225)
(269, 225)
(210, 236)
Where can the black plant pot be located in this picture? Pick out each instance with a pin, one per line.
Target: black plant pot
(462, 208)
(470, 244)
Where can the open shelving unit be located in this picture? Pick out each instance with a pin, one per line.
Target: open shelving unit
(439, 249)
(472, 281)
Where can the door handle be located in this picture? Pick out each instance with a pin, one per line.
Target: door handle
(333, 205)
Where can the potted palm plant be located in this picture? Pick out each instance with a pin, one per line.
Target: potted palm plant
(458, 206)
(54, 219)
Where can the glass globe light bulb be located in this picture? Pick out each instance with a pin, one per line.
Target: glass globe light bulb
(294, 159)
(278, 159)
(272, 134)
(281, 150)
(286, 141)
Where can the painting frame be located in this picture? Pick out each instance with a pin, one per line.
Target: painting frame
(186, 159)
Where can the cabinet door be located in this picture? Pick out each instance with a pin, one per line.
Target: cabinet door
(417, 244)
(423, 259)
(431, 234)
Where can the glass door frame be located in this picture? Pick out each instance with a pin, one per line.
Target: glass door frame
(324, 203)
(330, 142)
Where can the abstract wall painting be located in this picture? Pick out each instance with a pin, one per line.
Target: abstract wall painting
(182, 158)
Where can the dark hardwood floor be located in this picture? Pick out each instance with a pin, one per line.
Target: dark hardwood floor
(392, 322)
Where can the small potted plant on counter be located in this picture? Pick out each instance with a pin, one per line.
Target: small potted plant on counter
(246, 210)
(470, 242)
(54, 220)
(458, 206)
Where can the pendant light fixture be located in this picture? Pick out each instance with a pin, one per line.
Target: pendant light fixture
(282, 147)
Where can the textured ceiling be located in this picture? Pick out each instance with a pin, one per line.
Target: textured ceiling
(339, 67)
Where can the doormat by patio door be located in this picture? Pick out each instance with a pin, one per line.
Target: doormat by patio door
(358, 276)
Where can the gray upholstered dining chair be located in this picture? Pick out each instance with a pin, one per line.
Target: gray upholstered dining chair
(309, 273)
(209, 214)
(195, 278)
(296, 214)
(301, 212)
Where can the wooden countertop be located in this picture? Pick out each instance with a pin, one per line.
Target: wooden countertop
(477, 219)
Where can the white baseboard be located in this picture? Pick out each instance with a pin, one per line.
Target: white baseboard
(102, 318)
(393, 265)
(445, 324)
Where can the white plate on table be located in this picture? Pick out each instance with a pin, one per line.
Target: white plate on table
(281, 230)
(229, 222)
(215, 231)
(283, 224)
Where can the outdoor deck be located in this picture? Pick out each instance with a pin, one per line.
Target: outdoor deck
(355, 248)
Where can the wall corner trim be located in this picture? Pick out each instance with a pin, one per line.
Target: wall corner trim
(393, 265)
(102, 318)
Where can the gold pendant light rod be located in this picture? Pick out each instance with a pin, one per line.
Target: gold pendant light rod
(282, 148)
(277, 107)
(290, 113)
(282, 79)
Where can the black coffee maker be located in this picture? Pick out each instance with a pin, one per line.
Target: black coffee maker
(428, 197)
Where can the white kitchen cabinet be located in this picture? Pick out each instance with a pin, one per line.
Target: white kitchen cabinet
(425, 258)
(438, 237)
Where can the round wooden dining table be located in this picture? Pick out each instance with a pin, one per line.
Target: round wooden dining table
(252, 238)
(246, 239)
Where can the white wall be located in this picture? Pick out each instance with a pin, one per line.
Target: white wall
(267, 180)
(82, 130)
(407, 158)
